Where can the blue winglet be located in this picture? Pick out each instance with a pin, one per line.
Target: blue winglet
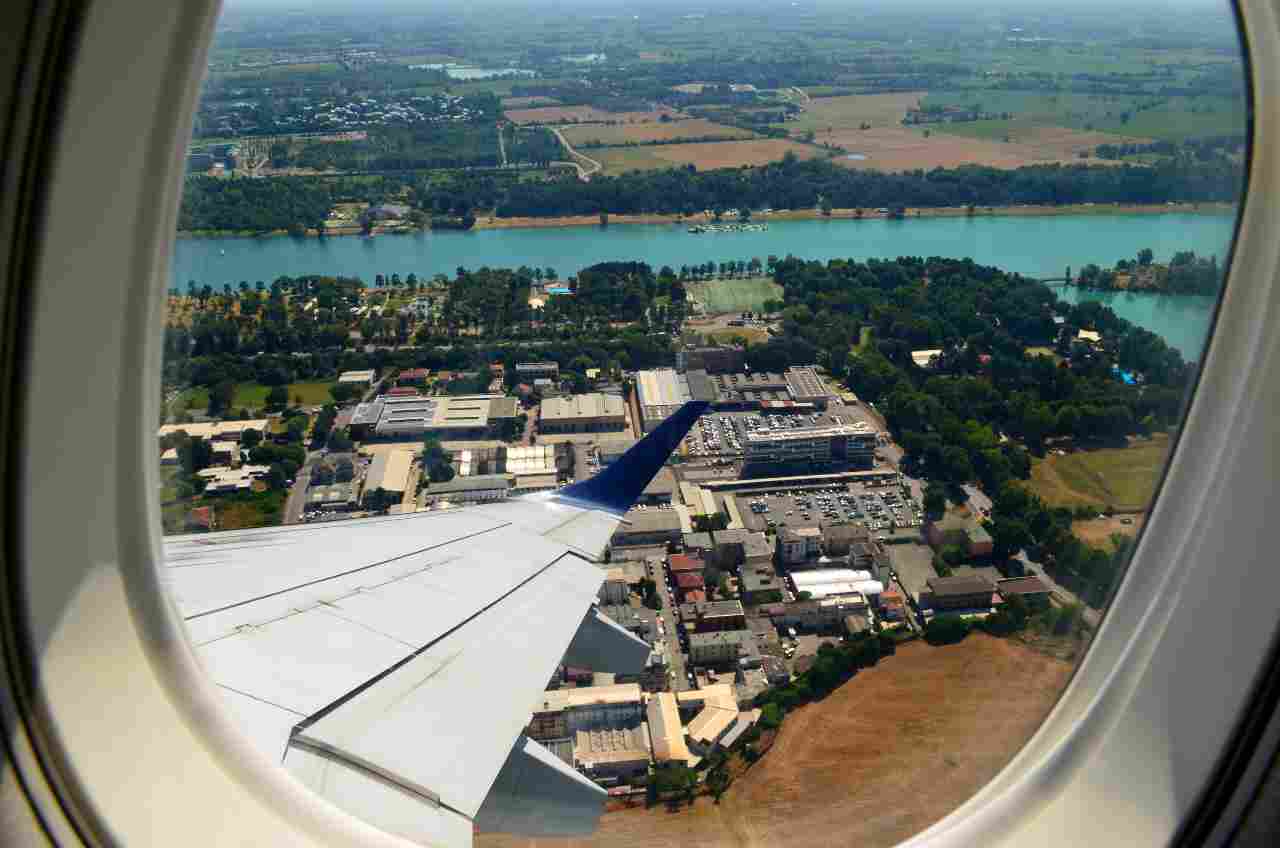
(616, 488)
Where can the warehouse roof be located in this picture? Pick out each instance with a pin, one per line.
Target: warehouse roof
(572, 407)
(1022, 586)
(216, 429)
(474, 483)
(650, 521)
(389, 471)
(962, 585)
(665, 729)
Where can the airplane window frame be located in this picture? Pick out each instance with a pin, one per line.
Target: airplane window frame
(103, 608)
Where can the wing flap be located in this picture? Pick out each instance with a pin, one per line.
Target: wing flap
(444, 719)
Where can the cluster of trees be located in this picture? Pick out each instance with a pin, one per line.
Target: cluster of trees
(436, 460)
(1186, 273)
(1202, 149)
(834, 665)
(274, 203)
(1020, 520)
(792, 184)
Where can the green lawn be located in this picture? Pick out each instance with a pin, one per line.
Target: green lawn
(1113, 478)
(742, 295)
(254, 396)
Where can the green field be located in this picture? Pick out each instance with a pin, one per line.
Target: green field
(749, 294)
(1111, 478)
(1172, 118)
(254, 396)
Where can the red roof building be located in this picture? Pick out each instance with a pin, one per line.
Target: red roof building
(689, 580)
(414, 376)
(695, 596)
(684, 562)
(402, 391)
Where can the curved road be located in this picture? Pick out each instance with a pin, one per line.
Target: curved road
(584, 174)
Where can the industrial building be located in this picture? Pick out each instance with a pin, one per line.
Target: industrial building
(589, 413)
(335, 497)
(357, 378)
(665, 729)
(713, 616)
(605, 725)
(966, 592)
(839, 445)
(478, 488)
(537, 370)
(713, 360)
(828, 582)
(660, 393)
(460, 417)
(648, 527)
(389, 471)
(805, 386)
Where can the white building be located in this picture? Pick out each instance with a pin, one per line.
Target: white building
(356, 378)
(841, 444)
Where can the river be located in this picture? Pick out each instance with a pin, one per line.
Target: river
(1041, 246)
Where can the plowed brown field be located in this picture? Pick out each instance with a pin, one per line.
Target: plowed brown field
(880, 759)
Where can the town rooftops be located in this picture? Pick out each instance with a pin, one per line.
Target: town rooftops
(689, 580)
(684, 562)
(651, 521)
(722, 637)
(968, 584)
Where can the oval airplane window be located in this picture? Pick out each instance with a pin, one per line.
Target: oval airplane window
(827, 360)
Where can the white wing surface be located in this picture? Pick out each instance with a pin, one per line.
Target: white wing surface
(391, 664)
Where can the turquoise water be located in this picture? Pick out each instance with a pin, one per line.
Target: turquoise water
(1036, 245)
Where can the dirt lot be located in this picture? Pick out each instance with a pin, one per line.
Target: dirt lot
(583, 114)
(1098, 531)
(902, 148)
(631, 133)
(879, 760)
(714, 154)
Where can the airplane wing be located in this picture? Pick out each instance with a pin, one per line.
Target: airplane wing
(391, 664)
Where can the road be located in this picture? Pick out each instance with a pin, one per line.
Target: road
(584, 174)
(675, 659)
(297, 499)
(502, 146)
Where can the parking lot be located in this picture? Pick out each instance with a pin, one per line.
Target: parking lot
(914, 566)
(883, 510)
(721, 434)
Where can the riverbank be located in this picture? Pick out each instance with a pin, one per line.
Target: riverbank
(490, 222)
(493, 223)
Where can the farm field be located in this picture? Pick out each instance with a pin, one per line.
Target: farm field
(1110, 478)
(703, 156)
(528, 102)
(931, 725)
(254, 396)
(1171, 118)
(720, 296)
(583, 114)
(849, 112)
(610, 135)
(906, 148)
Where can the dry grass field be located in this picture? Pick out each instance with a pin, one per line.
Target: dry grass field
(583, 114)
(704, 156)
(851, 111)
(880, 759)
(907, 148)
(606, 134)
(1110, 478)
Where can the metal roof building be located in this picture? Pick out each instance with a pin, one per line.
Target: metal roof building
(589, 413)
(389, 471)
(661, 392)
